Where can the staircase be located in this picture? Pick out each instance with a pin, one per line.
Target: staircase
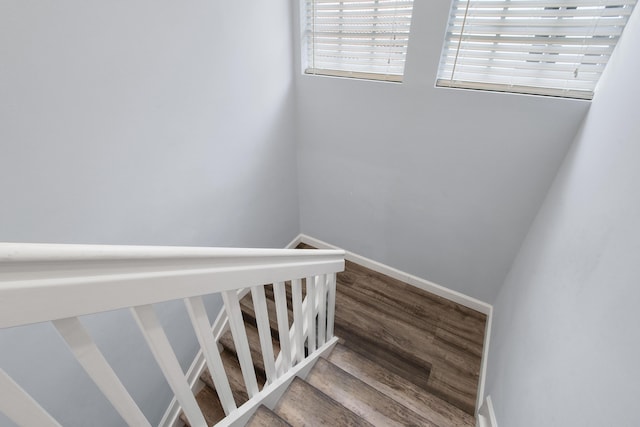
(405, 357)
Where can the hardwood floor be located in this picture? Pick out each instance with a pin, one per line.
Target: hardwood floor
(428, 340)
(405, 357)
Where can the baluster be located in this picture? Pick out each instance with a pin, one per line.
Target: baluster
(298, 319)
(99, 370)
(264, 330)
(239, 333)
(283, 324)
(20, 407)
(168, 362)
(322, 308)
(331, 304)
(311, 314)
(202, 328)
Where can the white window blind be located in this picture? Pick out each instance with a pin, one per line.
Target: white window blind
(358, 38)
(543, 47)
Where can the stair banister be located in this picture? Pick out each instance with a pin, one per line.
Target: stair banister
(88, 279)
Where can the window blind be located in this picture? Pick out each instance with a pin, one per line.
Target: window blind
(543, 47)
(358, 38)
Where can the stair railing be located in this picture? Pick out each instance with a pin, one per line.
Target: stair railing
(59, 283)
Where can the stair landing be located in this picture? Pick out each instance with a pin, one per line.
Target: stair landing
(406, 357)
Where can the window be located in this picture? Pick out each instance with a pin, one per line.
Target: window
(542, 47)
(357, 38)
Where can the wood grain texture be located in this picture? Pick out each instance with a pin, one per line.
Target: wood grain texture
(264, 417)
(226, 340)
(362, 399)
(426, 339)
(234, 374)
(303, 405)
(209, 405)
(436, 410)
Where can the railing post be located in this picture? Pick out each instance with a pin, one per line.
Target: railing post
(311, 314)
(298, 319)
(239, 333)
(331, 304)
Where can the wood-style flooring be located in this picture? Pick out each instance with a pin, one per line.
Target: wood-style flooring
(405, 357)
(428, 340)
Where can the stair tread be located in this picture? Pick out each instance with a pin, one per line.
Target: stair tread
(234, 375)
(265, 417)
(226, 340)
(365, 325)
(431, 407)
(246, 304)
(304, 405)
(361, 398)
(209, 405)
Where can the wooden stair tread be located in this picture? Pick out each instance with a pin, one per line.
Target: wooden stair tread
(265, 417)
(234, 375)
(362, 399)
(399, 389)
(365, 325)
(226, 340)
(246, 304)
(304, 405)
(209, 405)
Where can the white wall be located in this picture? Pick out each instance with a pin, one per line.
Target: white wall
(140, 122)
(565, 345)
(440, 183)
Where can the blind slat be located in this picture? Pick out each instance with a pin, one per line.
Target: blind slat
(537, 45)
(365, 37)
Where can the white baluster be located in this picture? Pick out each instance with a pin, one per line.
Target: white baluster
(264, 330)
(298, 319)
(202, 328)
(311, 314)
(21, 408)
(169, 365)
(97, 367)
(331, 304)
(283, 324)
(321, 284)
(239, 333)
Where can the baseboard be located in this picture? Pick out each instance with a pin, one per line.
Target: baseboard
(295, 242)
(425, 285)
(171, 416)
(486, 415)
(418, 282)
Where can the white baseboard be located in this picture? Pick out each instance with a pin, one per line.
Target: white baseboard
(425, 285)
(486, 415)
(418, 282)
(171, 417)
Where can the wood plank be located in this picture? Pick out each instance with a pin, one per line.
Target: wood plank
(209, 404)
(234, 375)
(426, 339)
(265, 417)
(400, 389)
(304, 405)
(226, 340)
(362, 399)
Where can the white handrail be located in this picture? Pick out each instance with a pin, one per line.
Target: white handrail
(88, 279)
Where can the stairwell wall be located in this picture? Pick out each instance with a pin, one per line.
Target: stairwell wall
(565, 344)
(139, 122)
(440, 183)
